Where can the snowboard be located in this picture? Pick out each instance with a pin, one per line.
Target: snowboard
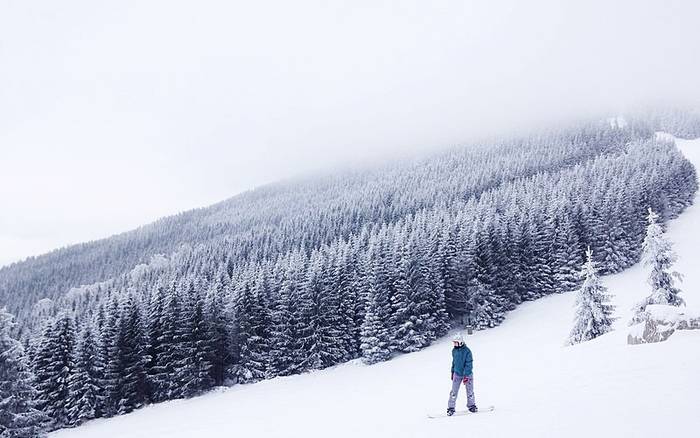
(463, 412)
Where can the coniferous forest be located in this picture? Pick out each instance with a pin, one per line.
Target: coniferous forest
(308, 273)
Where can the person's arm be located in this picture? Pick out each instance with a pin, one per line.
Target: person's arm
(468, 362)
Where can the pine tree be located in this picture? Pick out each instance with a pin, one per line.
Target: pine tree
(281, 362)
(613, 236)
(82, 383)
(216, 314)
(427, 246)
(452, 275)
(485, 309)
(527, 286)
(512, 262)
(19, 413)
(131, 358)
(401, 327)
(251, 332)
(566, 256)
(99, 364)
(168, 353)
(202, 347)
(343, 273)
(414, 318)
(593, 309)
(375, 337)
(110, 380)
(657, 252)
(504, 260)
(185, 375)
(53, 367)
(287, 355)
(154, 334)
(127, 360)
(319, 309)
(542, 232)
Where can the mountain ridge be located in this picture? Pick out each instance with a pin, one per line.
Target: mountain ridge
(200, 225)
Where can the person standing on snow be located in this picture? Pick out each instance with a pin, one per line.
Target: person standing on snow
(461, 372)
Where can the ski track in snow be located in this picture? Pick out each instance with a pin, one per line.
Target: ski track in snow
(540, 388)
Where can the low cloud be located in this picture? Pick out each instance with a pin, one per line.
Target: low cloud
(112, 114)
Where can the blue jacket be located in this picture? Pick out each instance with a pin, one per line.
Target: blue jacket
(462, 361)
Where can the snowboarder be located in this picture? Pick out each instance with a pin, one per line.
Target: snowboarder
(461, 372)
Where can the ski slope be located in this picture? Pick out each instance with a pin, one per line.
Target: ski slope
(540, 388)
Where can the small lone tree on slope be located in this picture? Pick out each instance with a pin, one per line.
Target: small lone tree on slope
(657, 252)
(593, 309)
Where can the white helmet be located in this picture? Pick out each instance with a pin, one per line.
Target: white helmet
(458, 338)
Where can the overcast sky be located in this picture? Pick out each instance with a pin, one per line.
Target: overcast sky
(115, 113)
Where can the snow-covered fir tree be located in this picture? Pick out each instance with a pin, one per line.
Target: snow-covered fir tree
(375, 335)
(19, 414)
(286, 357)
(658, 254)
(164, 333)
(452, 273)
(202, 343)
(566, 255)
(53, 365)
(485, 309)
(343, 281)
(83, 383)
(128, 360)
(402, 328)
(154, 326)
(319, 313)
(108, 337)
(185, 375)
(251, 332)
(594, 313)
(218, 324)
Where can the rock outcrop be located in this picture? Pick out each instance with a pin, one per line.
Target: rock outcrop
(659, 322)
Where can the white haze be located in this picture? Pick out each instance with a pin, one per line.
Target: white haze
(115, 113)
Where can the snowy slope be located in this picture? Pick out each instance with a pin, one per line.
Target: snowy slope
(541, 388)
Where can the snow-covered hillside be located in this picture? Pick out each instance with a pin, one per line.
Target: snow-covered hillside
(540, 388)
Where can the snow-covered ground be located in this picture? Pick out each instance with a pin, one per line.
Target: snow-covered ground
(540, 388)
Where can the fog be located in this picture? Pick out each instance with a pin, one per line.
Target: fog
(113, 114)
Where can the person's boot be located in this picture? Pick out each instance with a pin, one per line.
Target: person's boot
(450, 411)
(472, 408)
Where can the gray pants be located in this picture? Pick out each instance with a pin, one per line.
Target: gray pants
(456, 382)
